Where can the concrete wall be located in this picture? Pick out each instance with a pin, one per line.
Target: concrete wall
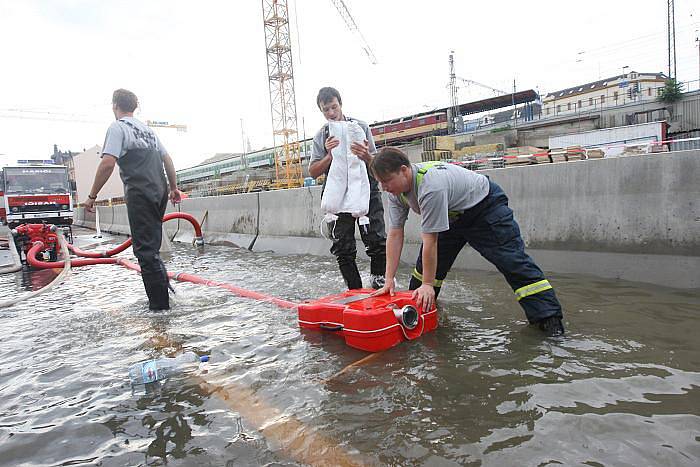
(635, 218)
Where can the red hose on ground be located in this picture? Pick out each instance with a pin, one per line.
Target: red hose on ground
(106, 254)
(183, 277)
(39, 246)
(104, 258)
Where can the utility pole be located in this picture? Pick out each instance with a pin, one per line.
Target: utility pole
(454, 104)
(697, 41)
(515, 109)
(671, 40)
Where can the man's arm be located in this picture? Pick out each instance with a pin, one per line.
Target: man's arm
(318, 168)
(104, 170)
(175, 194)
(425, 294)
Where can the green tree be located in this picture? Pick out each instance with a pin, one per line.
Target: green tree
(671, 91)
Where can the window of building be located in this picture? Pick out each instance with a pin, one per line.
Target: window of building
(558, 108)
(590, 101)
(568, 106)
(546, 111)
(602, 99)
(579, 104)
(615, 96)
(658, 91)
(649, 91)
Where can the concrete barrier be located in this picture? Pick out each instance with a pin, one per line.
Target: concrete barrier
(635, 218)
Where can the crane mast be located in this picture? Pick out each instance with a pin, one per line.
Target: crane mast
(288, 170)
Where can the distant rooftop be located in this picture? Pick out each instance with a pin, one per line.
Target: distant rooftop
(219, 156)
(601, 83)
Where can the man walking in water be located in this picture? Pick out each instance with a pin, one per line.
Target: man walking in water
(343, 232)
(458, 206)
(141, 158)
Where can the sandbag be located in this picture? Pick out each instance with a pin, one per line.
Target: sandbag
(347, 185)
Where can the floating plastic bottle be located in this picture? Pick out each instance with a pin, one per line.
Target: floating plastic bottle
(151, 371)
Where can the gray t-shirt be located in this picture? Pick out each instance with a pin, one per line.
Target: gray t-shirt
(445, 187)
(122, 137)
(318, 151)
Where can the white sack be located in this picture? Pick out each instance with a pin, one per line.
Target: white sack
(347, 185)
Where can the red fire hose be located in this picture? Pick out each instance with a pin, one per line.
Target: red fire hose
(127, 243)
(105, 258)
(183, 277)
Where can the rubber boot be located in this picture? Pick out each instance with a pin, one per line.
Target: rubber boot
(156, 286)
(351, 275)
(377, 267)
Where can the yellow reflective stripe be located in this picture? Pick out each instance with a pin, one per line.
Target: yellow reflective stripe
(423, 168)
(532, 289)
(419, 276)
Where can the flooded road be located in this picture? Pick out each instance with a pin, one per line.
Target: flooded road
(622, 387)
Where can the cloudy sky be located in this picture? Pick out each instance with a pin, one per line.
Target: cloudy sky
(202, 64)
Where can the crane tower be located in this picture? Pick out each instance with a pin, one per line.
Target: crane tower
(288, 170)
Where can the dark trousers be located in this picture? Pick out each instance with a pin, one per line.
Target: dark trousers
(145, 212)
(342, 232)
(489, 227)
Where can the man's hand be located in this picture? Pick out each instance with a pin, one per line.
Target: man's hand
(89, 205)
(331, 143)
(424, 297)
(361, 150)
(175, 196)
(388, 288)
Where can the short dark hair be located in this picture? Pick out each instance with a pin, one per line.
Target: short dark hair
(125, 100)
(325, 95)
(389, 160)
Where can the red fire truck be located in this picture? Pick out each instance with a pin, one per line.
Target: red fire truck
(35, 194)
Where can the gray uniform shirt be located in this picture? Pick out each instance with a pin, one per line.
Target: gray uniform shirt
(445, 188)
(122, 137)
(318, 151)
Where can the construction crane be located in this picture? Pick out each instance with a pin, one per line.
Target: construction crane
(49, 115)
(162, 124)
(283, 108)
(352, 26)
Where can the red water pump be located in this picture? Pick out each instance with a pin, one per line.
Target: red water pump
(26, 234)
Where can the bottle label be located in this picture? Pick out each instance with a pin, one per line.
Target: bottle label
(149, 372)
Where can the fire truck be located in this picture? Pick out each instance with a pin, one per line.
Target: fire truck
(36, 194)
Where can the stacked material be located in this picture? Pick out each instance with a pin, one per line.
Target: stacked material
(481, 150)
(435, 155)
(572, 153)
(596, 153)
(523, 151)
(575, 153)
(635, 149)
(441, 143)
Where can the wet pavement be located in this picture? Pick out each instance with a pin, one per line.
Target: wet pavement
(622, 387)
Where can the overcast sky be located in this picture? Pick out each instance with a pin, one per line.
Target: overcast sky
(202, 64)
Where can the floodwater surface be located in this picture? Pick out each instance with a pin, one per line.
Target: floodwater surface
(622, 387)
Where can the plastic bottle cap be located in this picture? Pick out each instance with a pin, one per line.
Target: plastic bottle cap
(204, 358)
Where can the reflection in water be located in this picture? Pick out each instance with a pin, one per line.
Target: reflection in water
(621, 388)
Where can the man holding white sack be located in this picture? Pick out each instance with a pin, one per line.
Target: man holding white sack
(345, 201)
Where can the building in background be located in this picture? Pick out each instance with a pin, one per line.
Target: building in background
(84, 168)
(623, 89)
